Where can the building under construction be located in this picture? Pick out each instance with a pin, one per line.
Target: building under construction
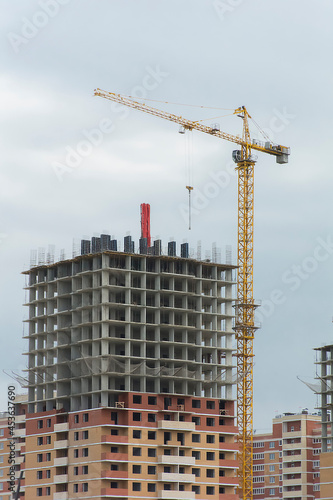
(131, 375)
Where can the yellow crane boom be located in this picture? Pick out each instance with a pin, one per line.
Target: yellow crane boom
(245, 306)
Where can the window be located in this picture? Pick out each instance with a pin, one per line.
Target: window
(39, 492)
(317, 451)
(196, 472)
(151, 435)
(272, 444)
(151, 452)
(114, 467)
(167, 469)
(196, 454)
(76, 419)
(85, 469)
(39, 474)
(75, 488)
(316, 474)
(40, 457)
(167, 487)
(136, 486)
(85, 452)
(210, 473)
(151, 469)
(137, 417)
(2, 432)
(48, 491)
(151, 487)
(114, 449)
(258, 444)
(210, 422)
(196, 489)
(48, 439)
(114, 432)
(257, 468)
(114, 484)
(259, 479)
(210, 490)
(316, 463)
(39, 441)
(137, 452)
(221, 473)
(221, 455)
(271, 468)
(151, 400)
(196, 403)
(40, 425)
(272, 479)
(292, 428)
(85, 417)
(136, 469)
(48, 474)
(137, 401)
(258, 456)
(221, 439)
(151, 417)
(210, 438)
(210, 455)
(76, 436)
(48, 422)
(221, 490)
(195, 438)
(316, 487)
(85, 434)
(76, 471)
(196, 420)
(210, 405)
(136, 434)
(272, 491)
(272, 456)
(259, 491)
(85, 487)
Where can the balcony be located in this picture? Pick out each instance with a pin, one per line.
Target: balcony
(19, 419)
(115, 457)
(176, 460)
(176, 495)
(62, 478)
(61, 444)
(116, 492)
(176, 425)
(233, 480)
(61, 461)
(61, 495)
(114, 474)
(106, 438)
(175, 477)
(61, 427)
(19, 433)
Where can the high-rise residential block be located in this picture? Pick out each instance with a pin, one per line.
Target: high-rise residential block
(130, 367)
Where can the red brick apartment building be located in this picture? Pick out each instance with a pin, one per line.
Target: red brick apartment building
(286, 463)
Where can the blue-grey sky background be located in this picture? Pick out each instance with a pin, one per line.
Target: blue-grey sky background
(60, 179)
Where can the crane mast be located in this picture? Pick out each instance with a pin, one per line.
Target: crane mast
(245, 306)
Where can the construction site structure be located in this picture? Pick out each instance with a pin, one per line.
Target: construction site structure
(245, 326)
(131, 376)
(286, 461)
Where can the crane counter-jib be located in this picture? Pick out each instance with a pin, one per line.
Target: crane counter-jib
(279, 151)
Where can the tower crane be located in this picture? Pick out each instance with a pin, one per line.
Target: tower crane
(245, 306)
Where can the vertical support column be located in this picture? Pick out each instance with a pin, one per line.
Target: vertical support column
(245, 325)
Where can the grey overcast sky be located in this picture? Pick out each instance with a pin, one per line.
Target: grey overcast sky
(74, 165)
